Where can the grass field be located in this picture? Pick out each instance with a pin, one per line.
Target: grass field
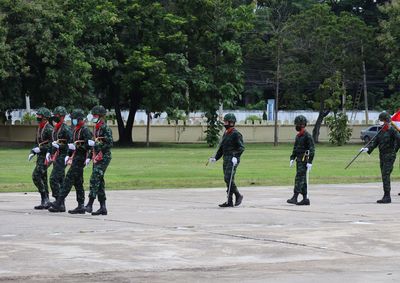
(183, 166)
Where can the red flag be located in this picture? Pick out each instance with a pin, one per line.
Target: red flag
(396, 120)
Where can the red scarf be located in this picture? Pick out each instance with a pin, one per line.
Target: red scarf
(229, 131)
(385, 127)
(42, 124)
(99, 124)
(58, 125)
(301, 132)
(80, 125)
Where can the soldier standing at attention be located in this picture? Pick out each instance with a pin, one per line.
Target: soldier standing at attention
(303, 153)
(231, 148)
(101, 156)
(61, 136)
(43, 142)
(386, 140)
(78, 158)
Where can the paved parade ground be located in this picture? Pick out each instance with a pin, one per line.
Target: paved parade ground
(180, 235)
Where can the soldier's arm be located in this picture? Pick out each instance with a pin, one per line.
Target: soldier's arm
(106, 143)
(373, 144)
(311, 148)
(67, 136)
(240, 145)
(293, 155)
(47, 135)
(220, 150)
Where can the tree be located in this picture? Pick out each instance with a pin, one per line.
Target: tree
(214, 54)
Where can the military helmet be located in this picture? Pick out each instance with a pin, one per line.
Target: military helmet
(384, 116)
(300, 120)
(60, 110)
(44, 112)
(78, 114)
(230, 117)
(99, 110)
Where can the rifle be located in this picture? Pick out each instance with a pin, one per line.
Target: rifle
(359, 153)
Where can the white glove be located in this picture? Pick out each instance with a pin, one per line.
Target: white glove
(55, 144)
(291, 163)
(91, 142)
(364, 149)
(309, 166)
(48, 157)
(66, 160)
(234, 161)
(30, 156)
(87, 161)
(71, 146)
(36, 149)
(212, 160)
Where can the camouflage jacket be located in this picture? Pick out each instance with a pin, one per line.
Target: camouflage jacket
(303, 143)
(43, 138)
(103, 138)
(231, 145)
(80, 137)
(387, 141)
(63, 136)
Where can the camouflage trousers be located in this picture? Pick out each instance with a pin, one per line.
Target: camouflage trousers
(57, 175)
(227, 168)
(386, 164)
(39, 175)
(97, 184)
(300, 181)
(74, 178)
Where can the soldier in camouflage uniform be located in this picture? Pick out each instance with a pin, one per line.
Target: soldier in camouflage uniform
(43, 142)
(303, 153)
(387, 141)
(231, 148)
(61, 136)
(78, 158)
(101, 156)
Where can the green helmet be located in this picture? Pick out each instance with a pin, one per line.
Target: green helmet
(230, 117)
(300, 120)
(99, 110)
(44, 112)
(60, 110)
(384, 116)
(78, 114)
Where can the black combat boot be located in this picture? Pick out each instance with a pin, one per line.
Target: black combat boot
(80, 209)
(239, 199)
(47, 202)
(293, 200)
(305, 201)
(102, 210)
(58, 205)
(89, 206)
(386, 198)
(42, 203)
(228, 203)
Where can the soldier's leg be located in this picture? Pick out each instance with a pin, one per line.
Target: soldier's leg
(80, 193)
(386, 164)
(301, 182)
(101, 193)
(57, 176)
(227, 169)
(39, 177)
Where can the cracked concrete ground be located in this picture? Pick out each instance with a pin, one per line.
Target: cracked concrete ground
(180, 235)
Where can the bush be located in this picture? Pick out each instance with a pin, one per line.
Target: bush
(28, 118)
(339, 132)
(253, 118)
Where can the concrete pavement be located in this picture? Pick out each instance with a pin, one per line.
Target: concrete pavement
(180, 235)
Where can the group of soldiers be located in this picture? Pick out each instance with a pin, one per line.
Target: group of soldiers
(231, 148)
(59, 145)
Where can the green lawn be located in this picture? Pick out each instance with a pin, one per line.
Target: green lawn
(183, 166)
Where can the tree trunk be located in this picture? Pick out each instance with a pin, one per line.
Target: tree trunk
(278, 68)
(148, 129)
(322, 114)
(125, 131)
